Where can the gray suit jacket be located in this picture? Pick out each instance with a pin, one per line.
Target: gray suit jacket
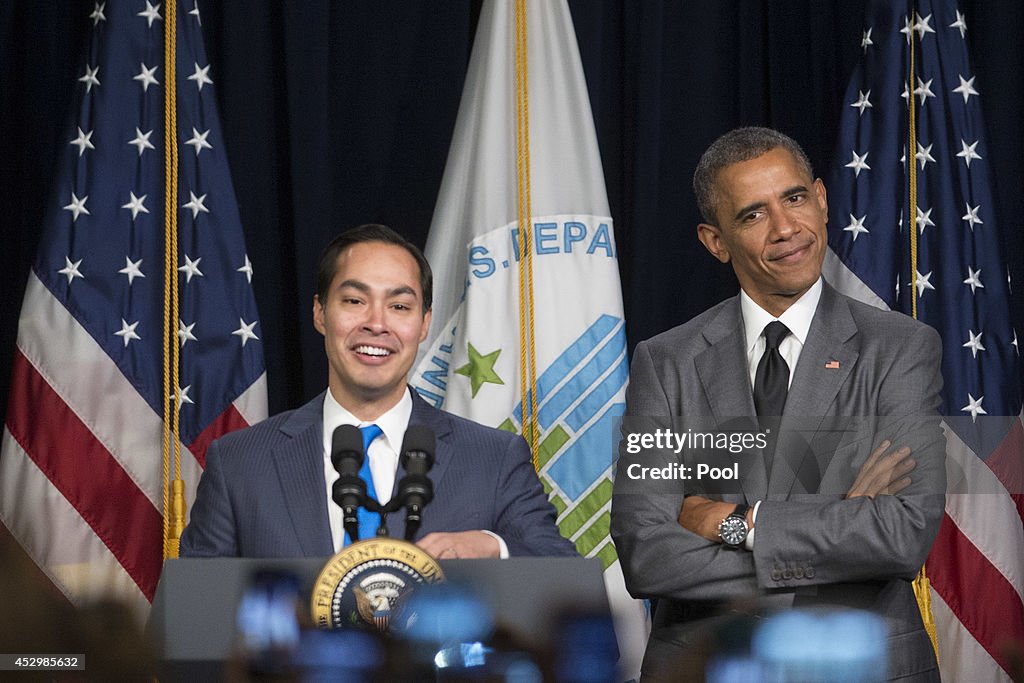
(881, 367)
(263, 492)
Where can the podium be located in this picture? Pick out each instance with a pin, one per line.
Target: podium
(193, 614)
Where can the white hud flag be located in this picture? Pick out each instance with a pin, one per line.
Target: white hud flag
(534, 153)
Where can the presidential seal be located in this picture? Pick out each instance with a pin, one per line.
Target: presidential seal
(368, 584)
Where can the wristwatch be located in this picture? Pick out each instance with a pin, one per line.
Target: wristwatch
(733, 529)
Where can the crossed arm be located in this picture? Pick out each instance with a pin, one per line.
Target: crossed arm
(885, 473)
(881, 527)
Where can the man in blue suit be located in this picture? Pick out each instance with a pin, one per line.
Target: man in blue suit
(266, 489)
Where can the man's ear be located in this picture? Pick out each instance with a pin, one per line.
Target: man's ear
(425, 330)
(318, 316)
(711, 237)
(819, 191)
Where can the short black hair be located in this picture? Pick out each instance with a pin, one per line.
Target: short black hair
(738, 145)
(370, 232)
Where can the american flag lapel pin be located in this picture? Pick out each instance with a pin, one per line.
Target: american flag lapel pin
(832, 365)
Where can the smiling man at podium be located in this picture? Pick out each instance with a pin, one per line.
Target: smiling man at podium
(266, 490)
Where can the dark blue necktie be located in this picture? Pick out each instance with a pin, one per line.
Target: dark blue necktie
(368, 521)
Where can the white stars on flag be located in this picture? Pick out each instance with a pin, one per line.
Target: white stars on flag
(960, 24)
(967, 152)
(966, 88)
(863, 102)
(183, 392)
(921, 25)
(141, 140)
(71, 269)
(865, 40)
(859, 163)
(245, 331)
(77, 207)
(923, 283)
(974, 279)
(924, 90)
(127, 331)
(90, 79)
(972, 216)
(97, 13)
(247, 269)
(198, 140)
(201, 76)
(924, 154)
(191, 268)
(974, 407)
(195, 204)
(83, 141)
(856, 226)
(974, 343)
(136, 205)
(185, 333)
(151, 14)
(145, 76)
(924, 219)
(132, 269)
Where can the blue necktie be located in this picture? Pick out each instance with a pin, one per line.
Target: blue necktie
(368, 521)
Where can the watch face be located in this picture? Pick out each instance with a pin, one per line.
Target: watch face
(733, 530)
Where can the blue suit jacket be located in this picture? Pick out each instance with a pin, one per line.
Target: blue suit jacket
(263, 492)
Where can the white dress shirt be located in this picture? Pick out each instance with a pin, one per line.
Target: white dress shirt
(383, 454)
(797, 318)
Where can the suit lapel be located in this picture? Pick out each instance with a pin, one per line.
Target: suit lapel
(300, 469)
(722, 369)
(437, 421)
(828, 357)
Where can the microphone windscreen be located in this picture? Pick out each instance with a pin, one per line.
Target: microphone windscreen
(419, 438)
(347, 438)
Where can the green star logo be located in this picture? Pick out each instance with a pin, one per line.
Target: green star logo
(480, 369)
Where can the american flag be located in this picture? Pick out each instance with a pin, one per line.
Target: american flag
(956, 279)
(81, 475)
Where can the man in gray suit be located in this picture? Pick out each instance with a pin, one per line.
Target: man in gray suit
(265, 491)
(838, 507)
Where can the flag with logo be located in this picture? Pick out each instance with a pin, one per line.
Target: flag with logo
(525, 152)
(913, 228)
(138, 313)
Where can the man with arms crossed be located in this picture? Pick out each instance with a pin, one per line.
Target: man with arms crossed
(788, 345)
(266, 489)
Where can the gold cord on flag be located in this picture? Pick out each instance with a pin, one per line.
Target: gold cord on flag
(173, 491)
(921, 584)
(527, 363)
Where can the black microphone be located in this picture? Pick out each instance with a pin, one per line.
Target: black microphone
(349, 491)
(415, 490)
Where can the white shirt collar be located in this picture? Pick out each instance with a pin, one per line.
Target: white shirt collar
(797, 317)
(393, 423)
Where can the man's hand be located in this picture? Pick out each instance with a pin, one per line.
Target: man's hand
(459, 545)
(702, 516)
(883, 475)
